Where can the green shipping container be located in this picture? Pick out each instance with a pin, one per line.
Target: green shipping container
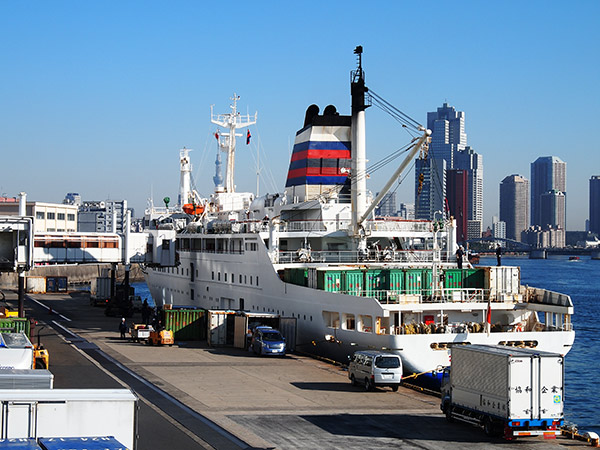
(413, 281)
(473, 278)
(453, 279)
(354, 282)
(396, 280)
(376, 283)
(427, 281)
(330, 280)
(296, 276)
(15, 325)
(186, 324)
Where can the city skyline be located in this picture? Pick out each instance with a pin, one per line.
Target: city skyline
(92, 107)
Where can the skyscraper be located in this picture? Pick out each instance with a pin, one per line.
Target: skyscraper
(448, 133)
(514, 205)
(471, 161)
(430, 187)
(388, 205)
(449, 142)
(407, 211)
(595, 204)
(552, 207)
(458, 202)
(548, 173)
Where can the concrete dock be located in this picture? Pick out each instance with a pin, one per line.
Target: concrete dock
(193, 396)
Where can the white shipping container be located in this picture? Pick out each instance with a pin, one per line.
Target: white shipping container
(35, 285)
(100, 288)
(26, 379)
(217, 328)
(510, 383)
(35, 413)
(502, 282)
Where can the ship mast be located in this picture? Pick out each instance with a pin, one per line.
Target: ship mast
(185, 170)
(359, 161)
(232, 121)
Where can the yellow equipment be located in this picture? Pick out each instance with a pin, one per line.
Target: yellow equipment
(164, 337)
(41, 357)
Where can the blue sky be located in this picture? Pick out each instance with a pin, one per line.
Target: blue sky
(98, 97)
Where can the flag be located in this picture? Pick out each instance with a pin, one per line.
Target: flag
(488, 318)
(248, 136)
(217, 135)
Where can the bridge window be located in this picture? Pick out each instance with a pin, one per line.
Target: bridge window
(197, 244)
(349, 322)
(50, 216)
(71, 217)
(40, 215)
(331, 319)
(60, 216)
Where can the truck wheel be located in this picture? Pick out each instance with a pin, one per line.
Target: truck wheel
(489, 427)
(368, 385)
(395, 388)
(448, 413)
(352, 380)
(40, 364)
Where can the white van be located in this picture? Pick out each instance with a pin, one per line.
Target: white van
(374, 368)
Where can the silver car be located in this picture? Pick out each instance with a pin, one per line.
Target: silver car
(373, 368)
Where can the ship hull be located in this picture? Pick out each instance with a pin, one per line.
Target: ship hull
(247, 280)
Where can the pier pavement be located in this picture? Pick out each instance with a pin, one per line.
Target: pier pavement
(193, 396)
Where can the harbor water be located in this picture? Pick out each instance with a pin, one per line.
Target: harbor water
(581, 280)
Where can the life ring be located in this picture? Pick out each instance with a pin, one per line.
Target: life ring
(518, 327)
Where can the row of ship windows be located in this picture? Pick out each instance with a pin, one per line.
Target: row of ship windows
(348, 322)
(53, 216)
(212, 245)
(243, 279)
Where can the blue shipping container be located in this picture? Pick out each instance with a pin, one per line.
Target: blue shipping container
(82, 443)
(19, 444)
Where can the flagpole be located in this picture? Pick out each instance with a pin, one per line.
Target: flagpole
(488, 318)
(258, 166)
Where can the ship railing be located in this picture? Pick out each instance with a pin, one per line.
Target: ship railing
(544, 296)
(446, 295)
(354, 257)
(398, 226)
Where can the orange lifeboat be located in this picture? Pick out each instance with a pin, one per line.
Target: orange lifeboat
(192, 209)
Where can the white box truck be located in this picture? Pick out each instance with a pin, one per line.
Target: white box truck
(518, 392)
(56, 413)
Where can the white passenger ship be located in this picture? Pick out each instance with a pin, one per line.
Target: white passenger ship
(317, 253)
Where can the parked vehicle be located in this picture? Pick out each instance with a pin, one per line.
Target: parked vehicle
(62, 413)
(518, 392)
(140, 332)
(16, 351)
(268, 341)
(374, 368)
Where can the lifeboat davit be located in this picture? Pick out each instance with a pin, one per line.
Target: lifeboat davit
(192, 209)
